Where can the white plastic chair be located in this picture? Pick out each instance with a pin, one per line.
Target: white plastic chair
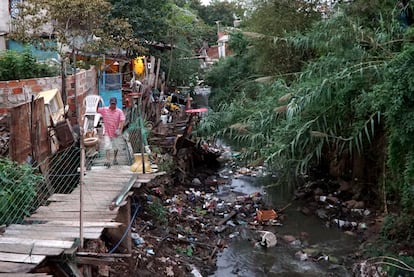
(91, 103)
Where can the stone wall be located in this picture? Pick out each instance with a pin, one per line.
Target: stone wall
(16, 92)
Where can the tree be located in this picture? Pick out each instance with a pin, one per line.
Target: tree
(224, 12)
(185, 35)
(147, 19)
(81, 25)
(273, 20)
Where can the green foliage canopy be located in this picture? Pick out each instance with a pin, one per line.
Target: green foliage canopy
(23, 65)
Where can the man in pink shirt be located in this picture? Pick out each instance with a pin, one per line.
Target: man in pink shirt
(113, 119)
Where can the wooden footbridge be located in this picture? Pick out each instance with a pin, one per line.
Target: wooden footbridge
(53, 230)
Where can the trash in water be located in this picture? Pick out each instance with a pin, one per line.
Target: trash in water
(263, 215)
(268, 239)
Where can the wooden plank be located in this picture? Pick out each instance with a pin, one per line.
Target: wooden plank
(119, 169)
(60, 198)
(85, 224)
(51, 235)
(99, 261)
(109, 178)
(21, 258)
(70, 207)
(34, 249)
(103, 185)
(41, 142)
(105, 174)
(8, 268)
(104, 182)
(37, 242)
(54, 218)
(141, 180)
(113, 172)
(24, 275)
(52, 228)
(100, 258)
(20, 142)
(150, 175)
(94, 214)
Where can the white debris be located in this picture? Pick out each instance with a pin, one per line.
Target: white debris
(268, 239)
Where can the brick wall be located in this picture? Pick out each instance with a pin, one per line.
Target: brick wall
(16, 92)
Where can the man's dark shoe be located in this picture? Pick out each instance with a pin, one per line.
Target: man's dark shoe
(107, 164)
(115, 162)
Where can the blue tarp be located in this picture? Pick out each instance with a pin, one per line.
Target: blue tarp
(41, 55)
(110, 85)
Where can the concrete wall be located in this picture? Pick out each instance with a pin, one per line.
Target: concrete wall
(4, 16)
(4, 22)
(16, 92)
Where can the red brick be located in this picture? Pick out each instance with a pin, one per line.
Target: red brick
(13, 83)
(17, 90)
(31, 82)
(4, 110)
(37, 88)
(72, 107)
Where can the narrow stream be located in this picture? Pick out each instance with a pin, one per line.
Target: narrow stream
(243, 258)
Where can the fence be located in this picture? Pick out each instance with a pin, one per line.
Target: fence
(137, 131)
(23, 188)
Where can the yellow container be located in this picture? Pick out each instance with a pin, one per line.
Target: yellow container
(137, 165)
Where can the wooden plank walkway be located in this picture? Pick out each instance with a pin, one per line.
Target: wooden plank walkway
(55, 228)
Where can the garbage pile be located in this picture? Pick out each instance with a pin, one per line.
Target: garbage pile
(181, 229)
(337, 205)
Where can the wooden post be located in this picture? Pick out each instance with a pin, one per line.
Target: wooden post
(151, 76)
(82, 155)
(82, 172)
(124, 216)
(146, 71)
(157, 73)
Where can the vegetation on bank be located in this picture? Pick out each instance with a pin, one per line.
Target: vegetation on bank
(23, 65)
(18, 184)
(343, 109)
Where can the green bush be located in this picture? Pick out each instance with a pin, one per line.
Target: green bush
(23, 65)
(17, 190)
(158, 212)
